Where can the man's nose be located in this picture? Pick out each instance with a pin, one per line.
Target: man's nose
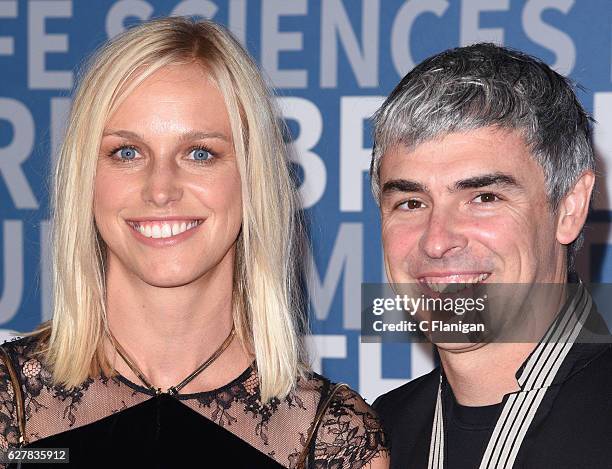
(162, 185)
(443, 234)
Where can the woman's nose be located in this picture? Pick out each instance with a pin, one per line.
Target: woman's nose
(162, 185)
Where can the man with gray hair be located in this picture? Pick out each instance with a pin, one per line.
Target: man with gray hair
(483, 169)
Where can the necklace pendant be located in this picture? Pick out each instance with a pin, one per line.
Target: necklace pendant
(172, 390)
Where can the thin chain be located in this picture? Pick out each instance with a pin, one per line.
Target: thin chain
(176, 388)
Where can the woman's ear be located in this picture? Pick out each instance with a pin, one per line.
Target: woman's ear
(574, 207)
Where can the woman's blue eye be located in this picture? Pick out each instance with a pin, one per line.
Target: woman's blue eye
(127, 153)
(199, 154)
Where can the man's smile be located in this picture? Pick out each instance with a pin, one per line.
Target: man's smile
(452, 282)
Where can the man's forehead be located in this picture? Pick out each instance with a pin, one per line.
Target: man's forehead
(461, 155)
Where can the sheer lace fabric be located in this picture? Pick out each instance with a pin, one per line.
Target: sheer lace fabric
(350, 435)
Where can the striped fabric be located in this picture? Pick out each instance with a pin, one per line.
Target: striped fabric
(436, 447)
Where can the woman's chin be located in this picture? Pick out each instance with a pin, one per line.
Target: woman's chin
(170, 281)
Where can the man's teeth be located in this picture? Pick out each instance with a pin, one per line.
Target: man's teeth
(163, 229)
(453, 287)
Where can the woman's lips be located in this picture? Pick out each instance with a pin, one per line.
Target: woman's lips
(163, 229)
(159, 233)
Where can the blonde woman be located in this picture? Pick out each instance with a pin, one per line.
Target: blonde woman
(175, 340)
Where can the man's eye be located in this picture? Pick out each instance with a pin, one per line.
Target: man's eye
(411, 204)
(487, 197)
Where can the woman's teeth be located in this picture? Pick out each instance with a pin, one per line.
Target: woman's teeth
(455, 285)
(164, 229)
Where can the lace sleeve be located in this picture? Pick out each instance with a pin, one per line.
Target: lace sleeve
(350, 435)
(9, 431)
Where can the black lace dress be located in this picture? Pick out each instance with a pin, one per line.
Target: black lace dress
(112, 422)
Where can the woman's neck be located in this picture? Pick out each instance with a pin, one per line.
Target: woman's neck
(168, 332)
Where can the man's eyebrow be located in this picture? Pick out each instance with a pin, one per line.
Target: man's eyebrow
(474, 182)
(190, 135)
(403, 185)
(484, 180)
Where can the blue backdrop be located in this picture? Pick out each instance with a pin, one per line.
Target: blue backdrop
(332, 62)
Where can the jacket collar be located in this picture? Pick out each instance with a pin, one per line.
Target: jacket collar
(576, 337)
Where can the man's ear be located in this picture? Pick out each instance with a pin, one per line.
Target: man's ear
(574, 207)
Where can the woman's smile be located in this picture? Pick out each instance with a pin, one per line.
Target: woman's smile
(161, 233)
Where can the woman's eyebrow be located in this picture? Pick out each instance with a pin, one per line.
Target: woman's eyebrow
(186, 136)
(200, 135)
(122, 133)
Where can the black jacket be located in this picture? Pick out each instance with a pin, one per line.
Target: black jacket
(572, 427)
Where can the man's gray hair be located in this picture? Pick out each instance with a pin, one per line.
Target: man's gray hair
(486, 85)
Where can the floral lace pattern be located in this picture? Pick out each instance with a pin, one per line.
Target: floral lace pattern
(349, 435)
(247, 393)
(352, 434)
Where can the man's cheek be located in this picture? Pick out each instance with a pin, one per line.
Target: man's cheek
(399, 241)
(499, 230)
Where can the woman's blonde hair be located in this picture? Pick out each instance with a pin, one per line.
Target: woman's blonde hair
(266, 304)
